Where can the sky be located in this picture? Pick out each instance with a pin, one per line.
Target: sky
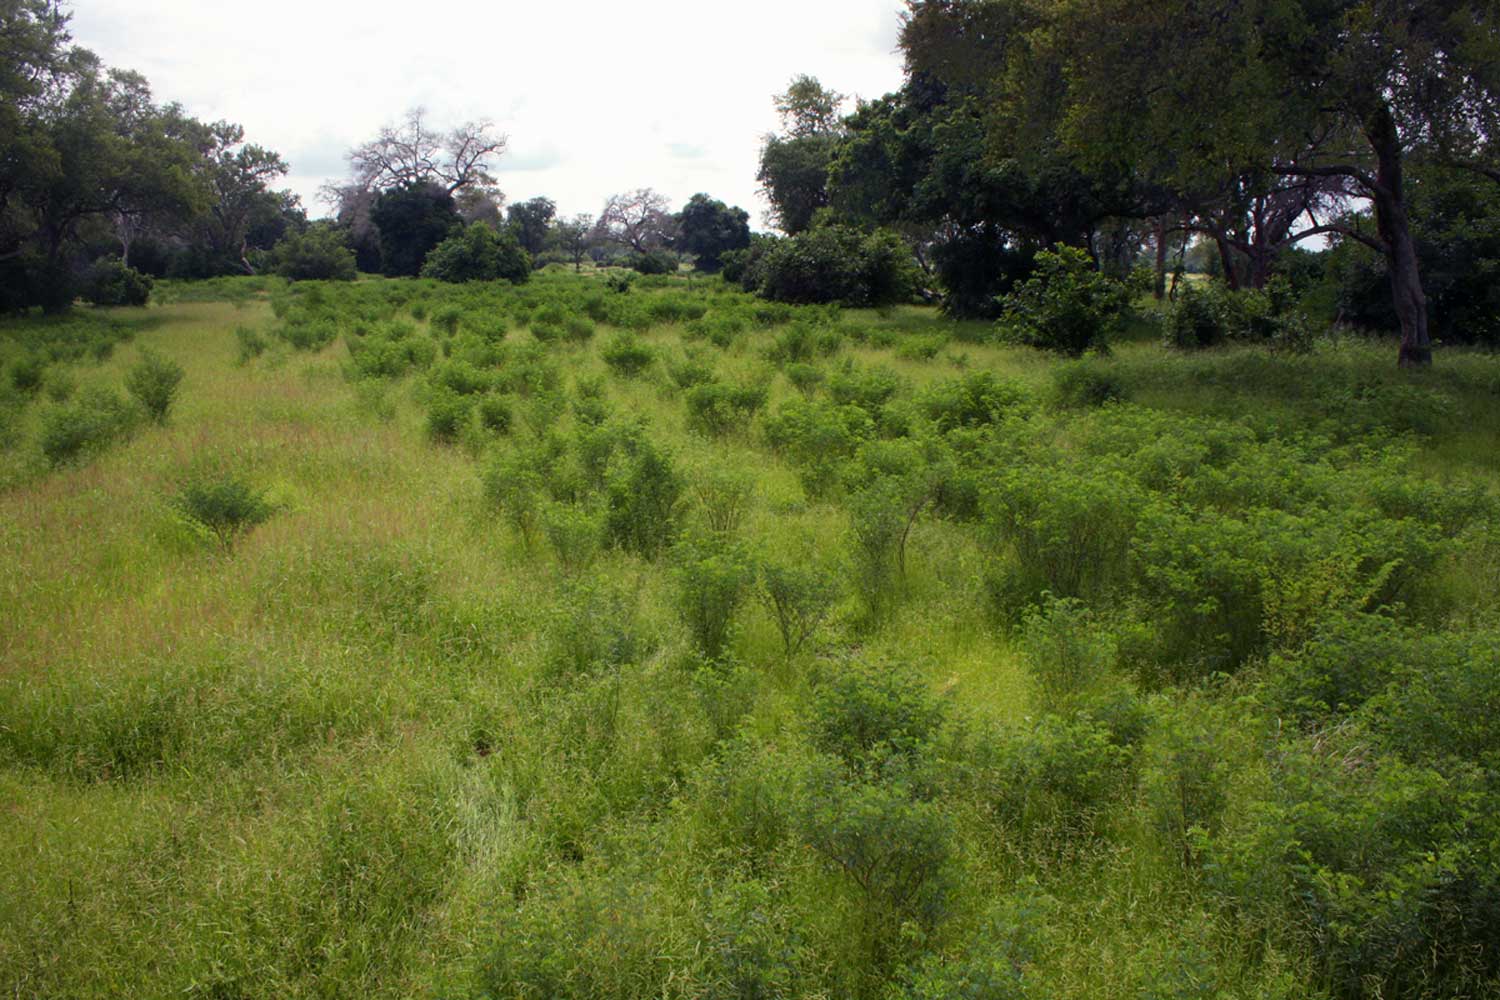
(596, 96)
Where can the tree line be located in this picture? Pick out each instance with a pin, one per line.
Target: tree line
(1127, 128)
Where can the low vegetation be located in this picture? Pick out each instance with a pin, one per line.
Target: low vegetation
(551, 639)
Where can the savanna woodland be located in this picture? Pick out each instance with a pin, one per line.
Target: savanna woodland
(1058, 558)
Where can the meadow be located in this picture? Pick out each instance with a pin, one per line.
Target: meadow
(611, 637)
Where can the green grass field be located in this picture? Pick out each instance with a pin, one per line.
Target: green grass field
(1144, 676)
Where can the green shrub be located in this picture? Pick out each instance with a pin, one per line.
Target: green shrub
(448, 413)
(251, 344)
(980, 399)
(575, 533)
(1055, 777)
(1067, 305)
(153, 381)
(111, 283)
(223, 504)
(321, 253)
(514, 483)
(1068, 532)
(95, 419)
(717, 409)
(1068, 651)
(626, 355)
(892, 847)
(1085, 383)
(644, 500)
(495, 414)
(799, 597)
(478, 253)
(866, 714)
(653, 262)
(805, 377)
(834, 264)
(712, 576)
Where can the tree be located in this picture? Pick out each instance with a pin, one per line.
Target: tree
(412, 221)
(638, 219)
(708, 228)
(1343, 89)
(576, 237)
(80, 146)
(793, 171)
(237, 175)
(410, 153)
(531, 221)
(808, 108)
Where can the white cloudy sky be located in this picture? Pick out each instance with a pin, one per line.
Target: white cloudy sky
(597, 96)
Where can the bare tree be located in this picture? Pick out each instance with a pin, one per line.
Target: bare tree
(411, 153)
(638, 219)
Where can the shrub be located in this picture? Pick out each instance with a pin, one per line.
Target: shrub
(513, 483)
(153, 382)
(495, 414)
(833, 264)
(320, 254)
(95, 419)
(712, 576)
(654, 262)
(111, 283)
(643, 503)
(251, 344)
(478, 253)
(626, 355)
(447, 414)
(868, 713)
(225, 505)
(1056, 776)
(980, 399)
(1068, 532)
(1067, 305)
(575, 533)
(716, 409)
(805, 377)
(1085, 383)
(891, 846)
(799, 597)
(1067, 650)
(725, 495)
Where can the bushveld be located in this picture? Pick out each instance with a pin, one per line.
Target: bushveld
(650, 639)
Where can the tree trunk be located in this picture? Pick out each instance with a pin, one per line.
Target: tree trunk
(1400, 250)
(1226, 261)
(1159, 288)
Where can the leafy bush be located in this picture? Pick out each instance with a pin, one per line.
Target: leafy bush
(111, 283)
(153, 381)
(495, 414)
(1067, 305)
(654, 262)
(716, 409)
(626, 355)
(1068, 651)
(799, 596)
(251, 344)
(1085, 383)
(448, 413)
(95, 419)
(223, 504)
(712, 576)
(866, 714)
(643, 503)
(321, 253)
(575, 533)
(831, 264)
(1056, 776)
(478, 253)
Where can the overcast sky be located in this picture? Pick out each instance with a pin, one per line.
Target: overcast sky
(597, 96)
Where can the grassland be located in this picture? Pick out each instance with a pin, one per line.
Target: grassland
(1154, 675)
